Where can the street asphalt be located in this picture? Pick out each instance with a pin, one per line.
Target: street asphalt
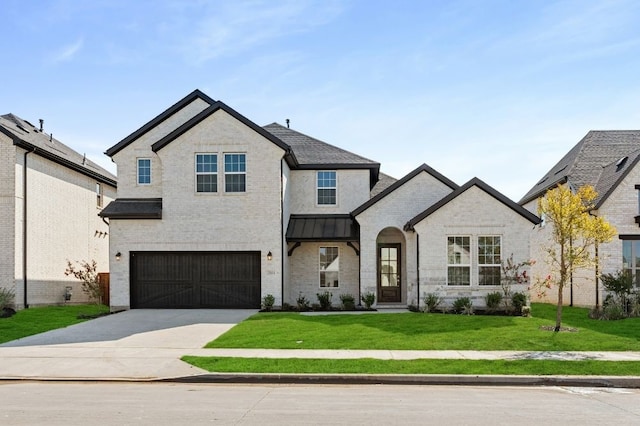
(146, 345)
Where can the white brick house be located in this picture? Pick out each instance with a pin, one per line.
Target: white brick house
(50, 197)
(608, 161)
(216, 211)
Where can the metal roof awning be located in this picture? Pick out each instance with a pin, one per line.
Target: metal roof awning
(309, 228)
(133, 208)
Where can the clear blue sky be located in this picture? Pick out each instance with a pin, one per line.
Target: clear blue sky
(494, 89)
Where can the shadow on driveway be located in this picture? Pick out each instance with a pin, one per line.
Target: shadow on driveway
(134, 322)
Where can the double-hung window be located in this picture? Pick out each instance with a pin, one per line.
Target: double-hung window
(235, 173)
(144, 171)
(459, 260)
(206, 173)
(326, 187)
(329, 266)
(489, 251)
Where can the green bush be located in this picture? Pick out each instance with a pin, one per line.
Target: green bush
(303, 303)
(324, 299)
(518, 300)
(431, 302)
(369, 299)
(6, 298)
(348, 302)
(463, 305)
(267, 302)
(493, 301)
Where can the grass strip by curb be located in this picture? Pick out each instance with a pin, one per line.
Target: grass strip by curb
(422, 366)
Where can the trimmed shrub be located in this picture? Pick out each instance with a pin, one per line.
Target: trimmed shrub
(463, 305)
(368, 299)
(493, 301)
(324, 299)
(267, 302)
(431, 302)
(348, 302)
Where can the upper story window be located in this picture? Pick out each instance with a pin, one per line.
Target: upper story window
(235, 173)
(99, 194)
(459, 260)
(144, 171)
(206, 173)
(489, 268)
(326, 187)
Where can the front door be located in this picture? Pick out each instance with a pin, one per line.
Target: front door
(389, 273)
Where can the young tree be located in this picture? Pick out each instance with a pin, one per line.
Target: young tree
(87, 273)
(575, 232)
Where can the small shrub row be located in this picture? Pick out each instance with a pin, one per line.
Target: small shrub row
(348, 302)
(464, 305)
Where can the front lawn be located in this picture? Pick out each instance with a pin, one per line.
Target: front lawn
(416, 331)
(420, 366)
(38, 320)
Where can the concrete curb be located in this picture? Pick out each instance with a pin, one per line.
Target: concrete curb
(414, 379)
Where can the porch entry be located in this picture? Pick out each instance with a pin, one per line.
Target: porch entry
(389, 278)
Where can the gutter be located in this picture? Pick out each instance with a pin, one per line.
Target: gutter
(24, 227)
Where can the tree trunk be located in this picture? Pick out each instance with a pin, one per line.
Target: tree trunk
(559, 309)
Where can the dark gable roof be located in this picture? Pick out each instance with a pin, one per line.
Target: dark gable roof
(26, 136)
(133, 208)
(196, 94)
(484, 187)
(388, 190)
(213, 107)
(584, 163)
(314, 154)
(327, 227)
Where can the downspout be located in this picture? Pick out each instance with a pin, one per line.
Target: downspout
(597, 282)
(282, 237)
(418, 267)
(24, 227)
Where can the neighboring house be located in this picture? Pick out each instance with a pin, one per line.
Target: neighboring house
(608, 161)
(50, 197)
(215, 211)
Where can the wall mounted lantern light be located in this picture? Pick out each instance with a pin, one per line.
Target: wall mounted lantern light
(269, 256)
(118, 255)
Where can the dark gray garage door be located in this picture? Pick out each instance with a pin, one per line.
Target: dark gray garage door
(195, 279)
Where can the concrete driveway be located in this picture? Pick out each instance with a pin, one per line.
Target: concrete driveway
(140, 344)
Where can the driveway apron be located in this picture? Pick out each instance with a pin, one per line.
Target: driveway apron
(139, 344)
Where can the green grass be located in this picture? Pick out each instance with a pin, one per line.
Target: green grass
(422, 366)
(416, 331)
(37, 320)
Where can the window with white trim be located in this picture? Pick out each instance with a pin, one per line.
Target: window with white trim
(144, 171)
(459, 260)
(489, 256)
(235, 173)
(206, 172)
(326, 187)
(329, 266)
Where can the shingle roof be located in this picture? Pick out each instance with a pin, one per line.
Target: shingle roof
(27, 136)
(584, 163)
(484, 187)
(384, 181)
(311, 151)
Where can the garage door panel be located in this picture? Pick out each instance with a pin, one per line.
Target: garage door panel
(195, 279)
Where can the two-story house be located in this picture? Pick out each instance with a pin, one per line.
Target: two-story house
(216, 211)
(608, 161)
(50, 197)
